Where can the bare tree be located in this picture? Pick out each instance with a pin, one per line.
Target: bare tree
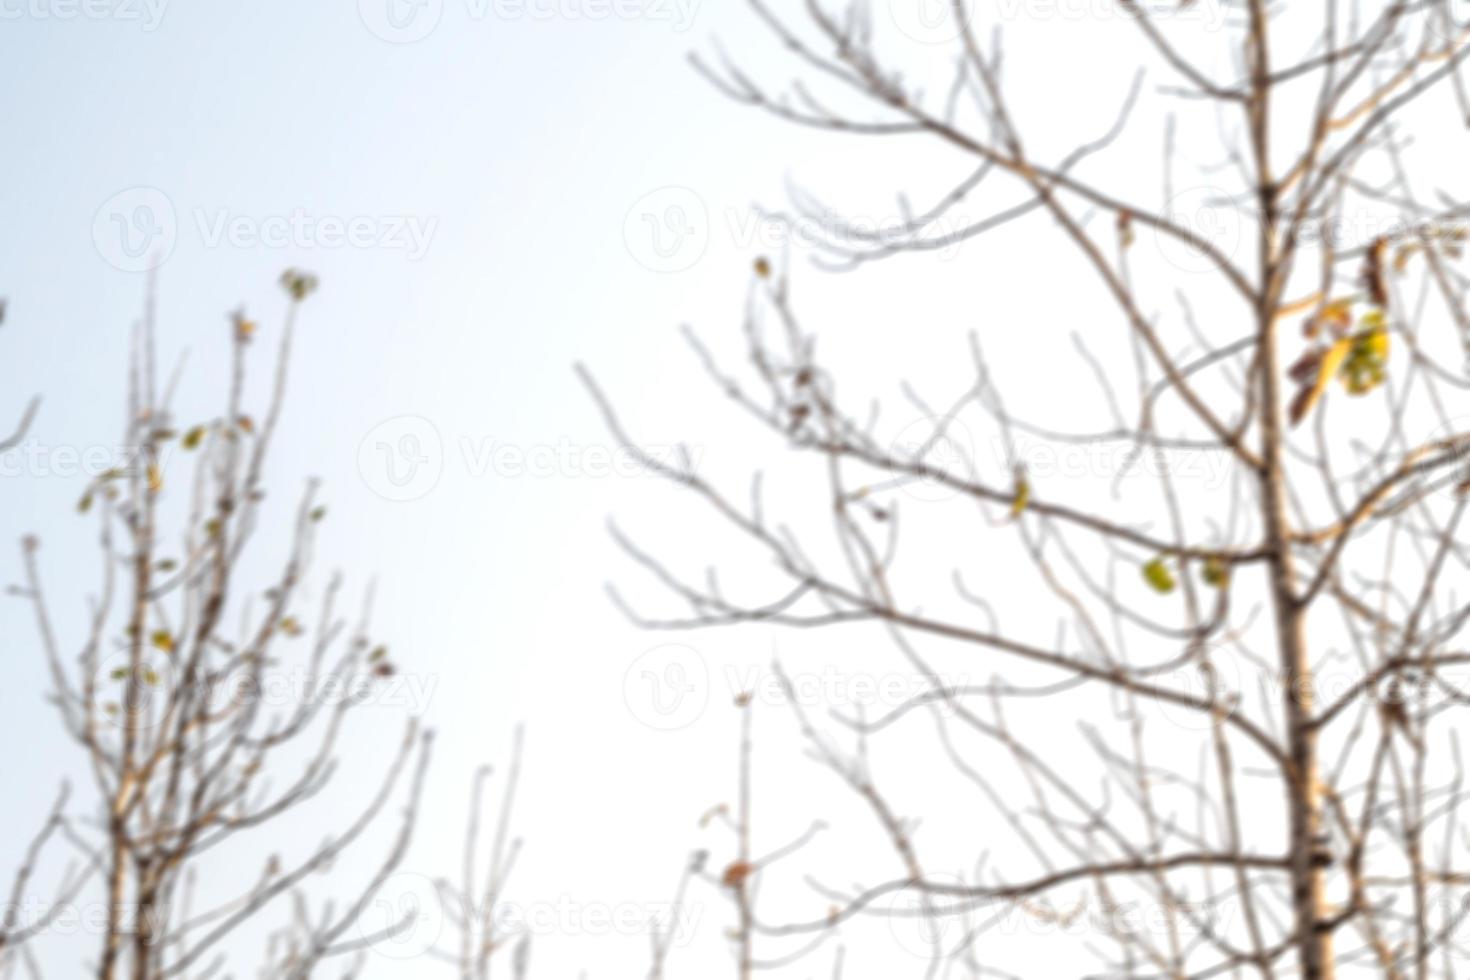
(472, 906)
(22, 427)
(29, 415)
(1320, 759)
(15, 927)
(195, 765)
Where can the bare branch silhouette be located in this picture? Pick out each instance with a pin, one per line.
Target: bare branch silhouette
(191, 756)
(1276, 653)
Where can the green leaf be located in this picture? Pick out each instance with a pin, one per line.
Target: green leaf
(1215, 572)
(1158, 576)
(298, 284)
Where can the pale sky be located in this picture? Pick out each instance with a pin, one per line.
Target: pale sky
(491, 192)
(516, 148)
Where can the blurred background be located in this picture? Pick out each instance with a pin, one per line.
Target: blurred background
(490, 193)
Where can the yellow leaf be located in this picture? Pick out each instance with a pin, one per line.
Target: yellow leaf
(163, 640)
(1308, 396)
(1377, 343)
(155, 478)
(1404, 254)
(1337, 314)
(1022, 499)
(193, 437)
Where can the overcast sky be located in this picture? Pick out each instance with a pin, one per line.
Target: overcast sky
(490, 192)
